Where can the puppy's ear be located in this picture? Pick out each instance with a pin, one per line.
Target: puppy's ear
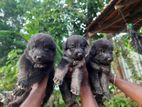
(87, 49)
(93, 51)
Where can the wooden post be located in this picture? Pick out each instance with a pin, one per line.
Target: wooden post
(117, 68)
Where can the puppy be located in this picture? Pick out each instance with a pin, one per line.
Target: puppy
(36, 63)
(69, 72)
(98, 65)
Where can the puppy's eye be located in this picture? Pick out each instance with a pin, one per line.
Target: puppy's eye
(102, 51)
(33, 47)
(83, 45)
(46, 49)
(45, 46)
(52, 48)
(72, 48)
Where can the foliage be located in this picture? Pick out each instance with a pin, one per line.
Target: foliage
(8, 73)
(120, 101)
(56, 100)
(124, 48)
(9, 41)
(20, 19)
(60, 19)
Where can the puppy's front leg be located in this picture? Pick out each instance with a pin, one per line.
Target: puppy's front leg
(68, 97)
(19, 100)
(61, 71)
(49, 88)
(105, 69)
(95, 82)
(95, 78)
(105, 84)
(76, 81)
(25, 67)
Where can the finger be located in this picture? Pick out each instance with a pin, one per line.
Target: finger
(35, 86)
(85, 74)
(43, 83)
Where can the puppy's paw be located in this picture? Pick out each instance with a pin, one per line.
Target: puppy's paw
(23, 84)
(75, 91)
(18, 92)
(13, 104)
(105, 69)
(107, 95)
(57, 81)
(99, 91)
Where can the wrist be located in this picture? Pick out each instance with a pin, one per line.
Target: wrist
(112, 78)
(85, 83)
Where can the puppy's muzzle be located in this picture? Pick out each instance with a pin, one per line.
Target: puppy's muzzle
(79, 54)
(38, 58)
(109, 59)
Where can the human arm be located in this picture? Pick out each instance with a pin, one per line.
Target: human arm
(36, 95)
(132, 90)
(87, 98)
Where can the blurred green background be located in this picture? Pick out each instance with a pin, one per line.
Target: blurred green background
(20, 19)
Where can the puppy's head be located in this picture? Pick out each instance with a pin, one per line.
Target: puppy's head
(41, 49)
(76, 47)
(101, 52)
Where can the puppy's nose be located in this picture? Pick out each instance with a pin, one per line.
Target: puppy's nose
(38, 58)
(109, 59)
(80, 55)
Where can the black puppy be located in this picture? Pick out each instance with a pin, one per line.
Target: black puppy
(69, 72)
(98, 66)
(36, 63)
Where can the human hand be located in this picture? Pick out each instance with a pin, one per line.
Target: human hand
(87, 98)
(85, 73)
(40, 86)
(36, 95)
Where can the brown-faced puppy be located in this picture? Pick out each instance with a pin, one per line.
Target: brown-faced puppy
(36, 62)
(98, 65)
(69, 72)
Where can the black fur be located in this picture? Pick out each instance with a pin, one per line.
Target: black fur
(98, 65)
(69, 72)
(36, 62)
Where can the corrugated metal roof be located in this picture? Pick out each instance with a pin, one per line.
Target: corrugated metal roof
(115, 15)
